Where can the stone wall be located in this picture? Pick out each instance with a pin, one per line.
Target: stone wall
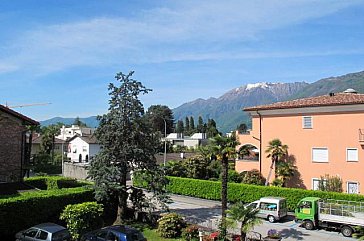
(75, 170)
(10, 148)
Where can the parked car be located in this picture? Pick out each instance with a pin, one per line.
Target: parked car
(114, 233)
(271, 208)
(44, 232)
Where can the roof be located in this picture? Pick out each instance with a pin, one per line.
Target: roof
(88, 139)
(38, 140)
(26, 119)
(324, 100)
(50, 227)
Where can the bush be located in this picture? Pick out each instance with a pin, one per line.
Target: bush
(248, 193)
(30, 208)
(81, 218)
(234, 176)
(252, 177)
(171, 225)
(190, 233)
(53, 182)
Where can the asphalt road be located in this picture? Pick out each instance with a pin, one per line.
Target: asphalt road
(207, 213)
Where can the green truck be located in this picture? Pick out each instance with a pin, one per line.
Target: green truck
(340, 215)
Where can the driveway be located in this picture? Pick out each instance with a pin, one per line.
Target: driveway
(207, 213)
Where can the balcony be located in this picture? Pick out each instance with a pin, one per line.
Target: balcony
(361, 136)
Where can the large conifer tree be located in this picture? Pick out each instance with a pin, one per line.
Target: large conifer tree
(127, 142)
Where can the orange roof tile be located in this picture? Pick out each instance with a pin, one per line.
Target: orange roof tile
(324, 100)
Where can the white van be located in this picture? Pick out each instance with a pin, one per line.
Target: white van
(271, 208)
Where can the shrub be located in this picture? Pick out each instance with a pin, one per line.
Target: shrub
(53, 182)
(32, 208)
(330, 183)
(249, 193)
(234, 176)
(252, 177)
(81, 218)
(190, 233)
(171, 225)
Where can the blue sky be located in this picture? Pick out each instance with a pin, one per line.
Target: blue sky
(66, 52)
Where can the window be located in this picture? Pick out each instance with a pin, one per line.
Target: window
(42, 235)
(74, 147)
(315, 183)
(31, 232)
(352, 155)
(84, 148)
(352, 187)
(320, 154)
(307, 122)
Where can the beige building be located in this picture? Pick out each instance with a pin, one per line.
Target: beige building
(325, 135)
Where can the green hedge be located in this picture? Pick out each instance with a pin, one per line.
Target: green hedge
(53, 182)
(244, 192)
(30, 208)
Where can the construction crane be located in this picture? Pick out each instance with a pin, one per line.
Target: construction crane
(26, 105)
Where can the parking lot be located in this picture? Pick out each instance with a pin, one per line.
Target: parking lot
(207, 213)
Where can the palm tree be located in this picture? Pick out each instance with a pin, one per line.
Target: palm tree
(245, 215)
(276, 151)
(285, 170)
(223, 148)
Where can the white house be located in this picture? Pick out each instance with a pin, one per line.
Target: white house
(178, 139)
(82, 148)
(69, 132)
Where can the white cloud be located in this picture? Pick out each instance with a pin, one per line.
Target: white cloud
(183, 31)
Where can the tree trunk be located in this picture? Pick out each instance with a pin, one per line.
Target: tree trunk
(224, 181)
(122, 198)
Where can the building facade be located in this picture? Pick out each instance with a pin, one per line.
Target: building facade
(82, 148)
(324, 135)
(15, 148)
(194, 141)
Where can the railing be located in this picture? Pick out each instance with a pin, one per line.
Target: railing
(361, 135)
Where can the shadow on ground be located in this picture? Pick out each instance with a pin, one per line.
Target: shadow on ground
(293, 233)
(199, 215)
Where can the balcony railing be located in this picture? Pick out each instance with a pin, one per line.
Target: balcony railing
(361, 135)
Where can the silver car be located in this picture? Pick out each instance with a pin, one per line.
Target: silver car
(44, 232)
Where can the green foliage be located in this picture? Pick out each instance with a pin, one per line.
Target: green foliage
(127, 140)
(36, 207)
(171, 225)
(53, 182)
(234, 176)
(196, 167)
(48, 135)
(43, 163)
(252, 177)
(245, 216)
(330, 183)
(81, 218)
(190, 233)
(239, 192)
(157, 114)
(284, 171)
(79, 123)
(176, 168)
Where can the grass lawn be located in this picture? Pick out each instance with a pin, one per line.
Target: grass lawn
(152, 235)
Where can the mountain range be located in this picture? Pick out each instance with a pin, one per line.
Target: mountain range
(226, 110)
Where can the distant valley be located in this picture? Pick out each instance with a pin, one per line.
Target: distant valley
(227, 111)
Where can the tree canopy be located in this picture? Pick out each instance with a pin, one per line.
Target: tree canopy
(127, 140)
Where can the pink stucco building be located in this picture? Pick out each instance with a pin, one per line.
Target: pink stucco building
(325, 135)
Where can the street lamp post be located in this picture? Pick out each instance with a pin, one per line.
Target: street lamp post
(165, 142)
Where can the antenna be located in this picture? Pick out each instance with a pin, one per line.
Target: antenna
(26, 105)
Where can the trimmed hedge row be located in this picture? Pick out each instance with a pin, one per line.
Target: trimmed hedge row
(244, 192)
(53, 182)
(30, 208)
